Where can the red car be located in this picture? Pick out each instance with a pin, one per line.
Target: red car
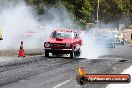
(63, 42)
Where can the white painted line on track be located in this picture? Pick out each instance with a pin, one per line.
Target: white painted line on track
(63, 83)
(126, 71)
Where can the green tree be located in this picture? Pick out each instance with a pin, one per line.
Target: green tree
(85, 10)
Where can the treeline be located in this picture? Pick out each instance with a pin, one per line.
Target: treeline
(85, 10)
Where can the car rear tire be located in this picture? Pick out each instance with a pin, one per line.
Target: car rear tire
(72, 55)
(46, 53)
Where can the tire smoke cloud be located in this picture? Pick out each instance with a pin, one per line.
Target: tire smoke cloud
(20, 22)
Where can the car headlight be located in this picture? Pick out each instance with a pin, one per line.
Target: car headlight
(46, 44)
(68, 45)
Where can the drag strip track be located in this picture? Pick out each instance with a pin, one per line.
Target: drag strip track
(17, 71)
(34, 61)
(28, 71)
(58, 72)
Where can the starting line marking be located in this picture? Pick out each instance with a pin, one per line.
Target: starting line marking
(63, 83)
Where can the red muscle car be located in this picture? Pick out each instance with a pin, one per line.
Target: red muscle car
(63, 42)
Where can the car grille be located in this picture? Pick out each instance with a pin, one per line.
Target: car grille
(57, 45)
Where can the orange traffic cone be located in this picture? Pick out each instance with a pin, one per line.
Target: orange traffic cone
(21, 51)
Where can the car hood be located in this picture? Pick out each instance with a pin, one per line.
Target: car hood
(60, 40)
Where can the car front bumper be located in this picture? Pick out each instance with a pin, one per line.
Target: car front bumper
(59, 51)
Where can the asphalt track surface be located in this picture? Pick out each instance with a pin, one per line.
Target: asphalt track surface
(59, 72)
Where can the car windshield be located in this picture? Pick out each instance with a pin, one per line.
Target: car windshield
(56, 34)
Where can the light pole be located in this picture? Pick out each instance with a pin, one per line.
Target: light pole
(97, 13)
(97, 17)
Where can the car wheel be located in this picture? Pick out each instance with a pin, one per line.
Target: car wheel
(72, 55)
(46, 53)
(78, 52)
